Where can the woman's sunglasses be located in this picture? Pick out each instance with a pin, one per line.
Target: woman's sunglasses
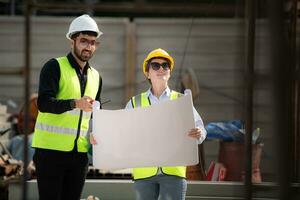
(156, 66)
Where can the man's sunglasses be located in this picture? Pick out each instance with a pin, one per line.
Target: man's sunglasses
(156, 66)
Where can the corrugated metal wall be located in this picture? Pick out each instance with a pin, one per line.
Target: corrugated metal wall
(213, 48)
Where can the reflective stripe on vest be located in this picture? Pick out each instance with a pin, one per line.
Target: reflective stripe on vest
(59, 131)
(142, 100)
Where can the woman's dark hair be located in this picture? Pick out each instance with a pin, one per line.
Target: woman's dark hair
(33, 113)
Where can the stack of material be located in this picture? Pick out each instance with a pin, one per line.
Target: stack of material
(4, 125)
(3, 117)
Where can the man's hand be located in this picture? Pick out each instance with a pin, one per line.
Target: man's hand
(92, 139)
(31, 168)
(85, 103)
(195, 133)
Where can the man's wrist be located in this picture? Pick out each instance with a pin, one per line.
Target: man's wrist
(72, 104)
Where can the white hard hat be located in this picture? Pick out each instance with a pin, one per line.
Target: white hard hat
(83, 23)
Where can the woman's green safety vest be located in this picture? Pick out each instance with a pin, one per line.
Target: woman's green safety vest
(59, 131)
(141, 100)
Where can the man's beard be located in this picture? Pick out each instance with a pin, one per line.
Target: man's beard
(81, 56)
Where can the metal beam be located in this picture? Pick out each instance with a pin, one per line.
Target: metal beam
(295, 93)
(139, 8)
(281, 71)
(11, 71)
(130, 72)
(26, 94)
(249, 74)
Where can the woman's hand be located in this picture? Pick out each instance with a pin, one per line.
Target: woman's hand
(195, 133)
(92, 139)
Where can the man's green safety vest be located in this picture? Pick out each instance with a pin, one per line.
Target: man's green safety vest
(141, 100)
(59, 131)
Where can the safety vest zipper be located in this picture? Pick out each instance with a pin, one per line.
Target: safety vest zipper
(78, 132)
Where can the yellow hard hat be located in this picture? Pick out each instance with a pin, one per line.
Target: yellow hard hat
(157, 53)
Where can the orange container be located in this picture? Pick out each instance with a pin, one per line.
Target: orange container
(232, 155)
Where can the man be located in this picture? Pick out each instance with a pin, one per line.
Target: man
(67, 88)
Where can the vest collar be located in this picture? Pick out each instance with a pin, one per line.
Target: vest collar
(167, 92)
(74, 64)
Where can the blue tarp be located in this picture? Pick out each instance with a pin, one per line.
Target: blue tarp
(227, 131)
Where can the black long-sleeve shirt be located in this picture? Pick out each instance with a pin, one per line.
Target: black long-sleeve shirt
(49, 86)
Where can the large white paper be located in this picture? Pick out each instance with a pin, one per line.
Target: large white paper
(145, 137)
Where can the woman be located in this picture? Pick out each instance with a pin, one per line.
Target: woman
(167, 183)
